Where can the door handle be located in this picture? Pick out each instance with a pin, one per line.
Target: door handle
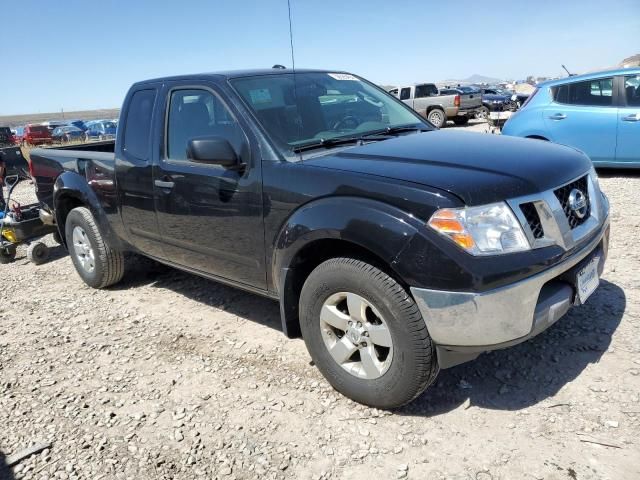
(163, 184)
(634, 117)
(558, 116)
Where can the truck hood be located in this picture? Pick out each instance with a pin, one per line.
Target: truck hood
(479, 168)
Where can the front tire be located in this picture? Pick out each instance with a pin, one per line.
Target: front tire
(96, 262)
(365, 334)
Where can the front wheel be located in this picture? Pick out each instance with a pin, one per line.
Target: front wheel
(96, 262)
(365, 334)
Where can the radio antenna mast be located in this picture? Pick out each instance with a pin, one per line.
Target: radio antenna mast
(293, 60)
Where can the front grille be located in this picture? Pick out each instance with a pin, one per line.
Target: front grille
(533, 219)
(563, 193)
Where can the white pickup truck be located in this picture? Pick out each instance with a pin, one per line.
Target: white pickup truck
(426, 99)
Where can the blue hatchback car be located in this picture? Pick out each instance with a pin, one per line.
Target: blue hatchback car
(598, 113)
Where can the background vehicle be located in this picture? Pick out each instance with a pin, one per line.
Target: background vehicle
(428, 101)
(35, 135)
(78, 124)
(53, 124)
(598, 113)
(101, 130)
(393, 248)
(6, 137)
(67, 134)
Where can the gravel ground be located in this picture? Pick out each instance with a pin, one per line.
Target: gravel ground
(172, 376)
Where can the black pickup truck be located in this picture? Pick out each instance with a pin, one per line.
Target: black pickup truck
(394, 249)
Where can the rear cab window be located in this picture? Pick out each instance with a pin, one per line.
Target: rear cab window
(137, 124)
(426, 90)
(597, 92)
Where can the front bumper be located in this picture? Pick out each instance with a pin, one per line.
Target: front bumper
(465, 324)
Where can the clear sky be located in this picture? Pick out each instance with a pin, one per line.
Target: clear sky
(78, 55)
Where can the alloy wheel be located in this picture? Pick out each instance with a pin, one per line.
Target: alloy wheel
(82, 248)
(356, 335)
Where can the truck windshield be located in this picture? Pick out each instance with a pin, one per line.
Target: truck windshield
(321, 106)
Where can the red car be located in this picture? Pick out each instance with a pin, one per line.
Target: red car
(34, 135)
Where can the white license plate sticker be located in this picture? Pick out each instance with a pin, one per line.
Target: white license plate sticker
(588, 279)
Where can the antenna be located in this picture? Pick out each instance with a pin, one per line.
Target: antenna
(568, 72)
(293, 68)
(293, 60)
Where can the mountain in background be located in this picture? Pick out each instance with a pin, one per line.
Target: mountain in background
(475, 78)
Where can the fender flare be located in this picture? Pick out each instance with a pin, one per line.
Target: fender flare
(380, 228)
(72, 185)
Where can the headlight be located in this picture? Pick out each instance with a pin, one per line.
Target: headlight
(486, 230)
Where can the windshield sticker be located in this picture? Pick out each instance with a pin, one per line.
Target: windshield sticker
(343, 76)
(260, 96)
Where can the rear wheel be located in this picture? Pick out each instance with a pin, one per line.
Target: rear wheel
(365, 334)
(437, 117)
(96, 262)
(483, 113)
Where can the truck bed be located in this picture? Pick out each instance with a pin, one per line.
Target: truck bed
(94, 161)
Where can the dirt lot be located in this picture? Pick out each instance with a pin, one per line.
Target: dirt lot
(171, 376)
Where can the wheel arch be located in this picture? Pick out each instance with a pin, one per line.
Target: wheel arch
(71, 190)
(538, 137)
(353, 227)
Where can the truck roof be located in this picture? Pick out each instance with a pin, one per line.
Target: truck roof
(228, 74)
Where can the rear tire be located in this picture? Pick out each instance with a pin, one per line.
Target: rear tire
(437, 117)
(96, 262)
(392, 333)
(37, 253)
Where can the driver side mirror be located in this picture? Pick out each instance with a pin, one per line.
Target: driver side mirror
(212, 150)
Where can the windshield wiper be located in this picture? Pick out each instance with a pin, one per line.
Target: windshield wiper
(395, 130)
(369, 136)
(326, 143)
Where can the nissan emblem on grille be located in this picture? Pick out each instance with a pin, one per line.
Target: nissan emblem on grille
(578, 203)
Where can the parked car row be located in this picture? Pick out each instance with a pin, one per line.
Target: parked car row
(438, 106)
(459, 103)
(59, 132)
